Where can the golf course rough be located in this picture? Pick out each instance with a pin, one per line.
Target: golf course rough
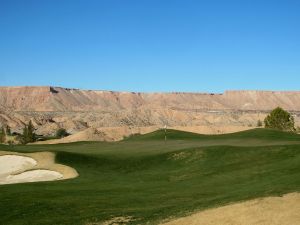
(149, 180)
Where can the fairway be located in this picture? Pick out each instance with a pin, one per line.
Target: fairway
(145, 179)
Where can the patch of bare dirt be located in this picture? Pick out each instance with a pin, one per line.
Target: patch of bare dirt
(264, 211)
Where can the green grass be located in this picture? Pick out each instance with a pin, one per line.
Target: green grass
(151, 180)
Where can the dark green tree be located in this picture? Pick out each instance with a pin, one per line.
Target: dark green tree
(24, 137)
(61, 132)
(2, 135)
(280, 119)
(8, 131)
(259, 123)
(31, 134)
(28, 133)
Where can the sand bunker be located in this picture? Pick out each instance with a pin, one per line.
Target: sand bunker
(33, 176)
(273, 210)
(32, 167)
(13, 164)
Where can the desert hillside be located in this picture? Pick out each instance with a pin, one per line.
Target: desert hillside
(124, 113)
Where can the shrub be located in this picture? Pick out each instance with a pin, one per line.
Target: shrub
(280, 119)
(259, 123)
(61, 132)
(2, 135)
(28, 134)
(8, 131)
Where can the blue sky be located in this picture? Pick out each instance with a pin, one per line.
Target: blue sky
(153, 45)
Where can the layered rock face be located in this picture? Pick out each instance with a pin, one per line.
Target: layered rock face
(53, 107)
(56, 99)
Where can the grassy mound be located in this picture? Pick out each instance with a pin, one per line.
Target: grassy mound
(146, 179)
(268, 134)
(171, 135)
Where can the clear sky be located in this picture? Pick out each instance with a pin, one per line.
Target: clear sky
(151, 45)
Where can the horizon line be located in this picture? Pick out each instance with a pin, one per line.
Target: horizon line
(151, 92)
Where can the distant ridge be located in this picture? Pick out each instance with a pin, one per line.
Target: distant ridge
(48, 98)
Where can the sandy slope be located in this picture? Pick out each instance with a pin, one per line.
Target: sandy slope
(265, 211)
(101, 134)
(32, 167)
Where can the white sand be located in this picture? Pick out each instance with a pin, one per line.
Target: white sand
(32, 167)
(33, 176)
(13, 163)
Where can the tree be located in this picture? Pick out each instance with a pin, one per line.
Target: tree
(28, 133)
(31, 134)
(25, 135)
(280, 119)
(8, 131)
(259, 123)
(61, 132)
(2, 135)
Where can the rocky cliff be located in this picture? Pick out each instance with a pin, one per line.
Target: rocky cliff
(54, 99)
